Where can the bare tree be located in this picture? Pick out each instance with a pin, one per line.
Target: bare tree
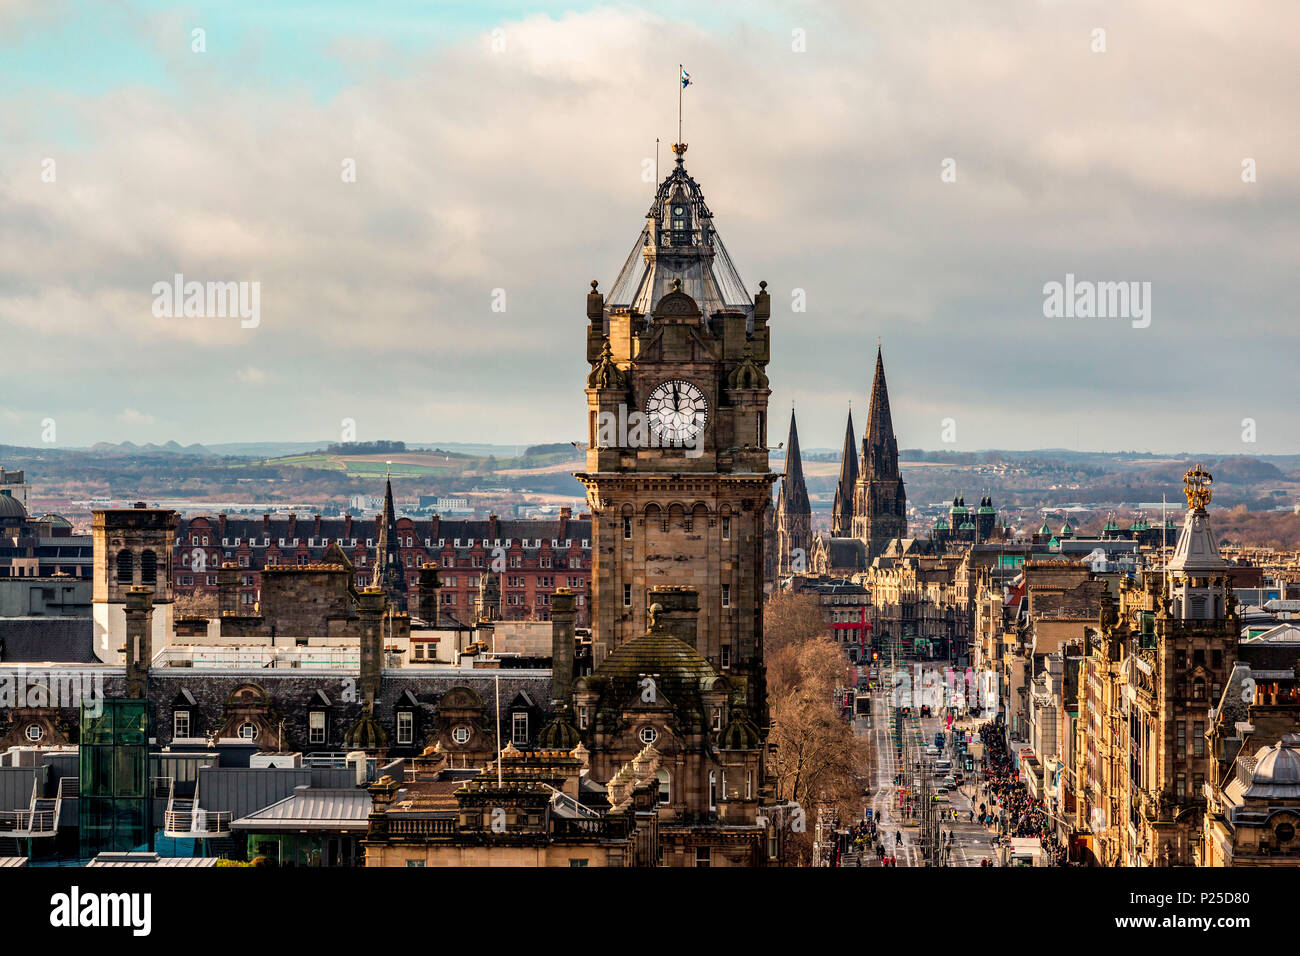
(792, 619)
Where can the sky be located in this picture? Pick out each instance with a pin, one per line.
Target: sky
(916, 173)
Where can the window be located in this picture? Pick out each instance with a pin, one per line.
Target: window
(713, 790)
(35, 732)
(181, 723)
(627, 595)
(702, 856)
(726, 655)
(460, 735)
(717, 719)
(519, 729)
(149, 567)
(648, 735)
(749, 785)
(582, 716)
(665, 786)
(248, 730)
(316, 727)
(415, 863)
(578, 862)
(627, 529)
(405, 727)
(726, 529)
(1182, 743)
(125, 567)
(1198, 739)
(726, 595)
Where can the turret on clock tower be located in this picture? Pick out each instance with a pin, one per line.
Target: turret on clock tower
(677, 469)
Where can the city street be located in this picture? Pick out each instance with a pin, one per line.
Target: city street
(971, 841)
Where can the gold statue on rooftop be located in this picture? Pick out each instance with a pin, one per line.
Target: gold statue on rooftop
(1196, 485)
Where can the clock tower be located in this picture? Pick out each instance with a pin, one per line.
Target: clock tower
(677, 473)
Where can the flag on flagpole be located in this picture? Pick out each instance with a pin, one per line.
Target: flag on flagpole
(686, 79)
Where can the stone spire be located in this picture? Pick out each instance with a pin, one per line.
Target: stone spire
(842, 509)
(879, 501)
(793, 511)
(793, 490)
(389, 573)
(879, 447)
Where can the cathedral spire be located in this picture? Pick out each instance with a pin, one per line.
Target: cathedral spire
(793, 511)
(842, 508)
(794, 492)
(879, 446)
(389, 573)
(879, 500)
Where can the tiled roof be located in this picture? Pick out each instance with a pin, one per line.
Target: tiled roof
(61, 640)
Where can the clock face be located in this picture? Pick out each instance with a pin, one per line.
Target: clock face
(678, 210)
(677, 412)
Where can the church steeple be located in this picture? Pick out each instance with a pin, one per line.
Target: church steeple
(793, 511)
(793, 490)
(842, 509)
(879, 447)
(389, 573)
(879, 501)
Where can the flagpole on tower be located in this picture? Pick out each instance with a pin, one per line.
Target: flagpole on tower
(680, 70)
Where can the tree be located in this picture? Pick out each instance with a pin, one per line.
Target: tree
(792, 619)
(817, 761)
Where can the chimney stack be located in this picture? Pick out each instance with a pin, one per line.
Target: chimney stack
(139, 641)
(564, 615)
(227, 589)
(680, 611)
(371, 604)
(429, 588)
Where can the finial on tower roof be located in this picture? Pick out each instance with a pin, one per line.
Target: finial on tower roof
(680, 150)
(1196, 486)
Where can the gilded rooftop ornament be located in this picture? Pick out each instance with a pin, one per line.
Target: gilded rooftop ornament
(1196, 485)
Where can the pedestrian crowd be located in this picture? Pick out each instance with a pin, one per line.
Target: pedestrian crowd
(1005, 802)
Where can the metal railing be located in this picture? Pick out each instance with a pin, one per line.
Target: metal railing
(29, 823)
(196, 823)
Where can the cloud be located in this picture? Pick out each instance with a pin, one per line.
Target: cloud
(132, 416)
(521, 170)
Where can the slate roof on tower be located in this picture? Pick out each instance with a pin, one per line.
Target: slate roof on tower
(679, 241)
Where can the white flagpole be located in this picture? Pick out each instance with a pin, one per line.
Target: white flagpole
(680, 70)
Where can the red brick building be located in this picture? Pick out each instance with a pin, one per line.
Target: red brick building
(534, 556)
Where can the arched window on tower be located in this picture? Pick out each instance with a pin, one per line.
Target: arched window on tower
(665, 786)
(125, 567)
(148, 567)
